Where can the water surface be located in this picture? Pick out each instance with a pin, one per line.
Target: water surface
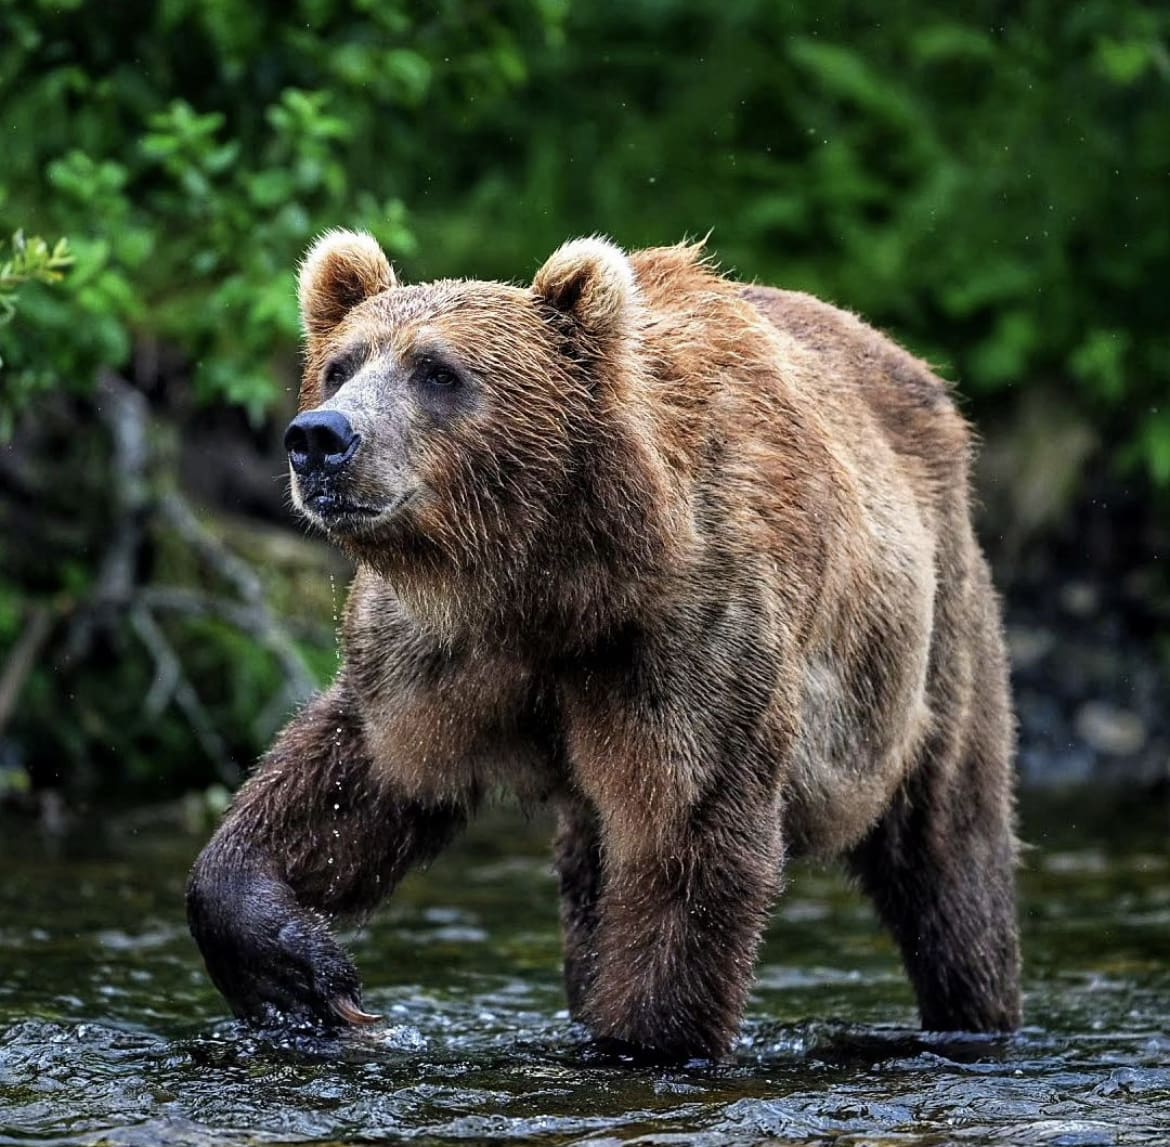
(110, 1033)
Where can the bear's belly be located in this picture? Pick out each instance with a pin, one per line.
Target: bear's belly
(844, 775)
(863, 721)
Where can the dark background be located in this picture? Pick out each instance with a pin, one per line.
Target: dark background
(993, 188)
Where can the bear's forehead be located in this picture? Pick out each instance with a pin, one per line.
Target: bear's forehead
(463, 315)
(445, 298)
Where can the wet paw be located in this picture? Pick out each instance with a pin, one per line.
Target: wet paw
(275, 962)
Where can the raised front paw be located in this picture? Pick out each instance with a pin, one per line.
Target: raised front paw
(275, 962)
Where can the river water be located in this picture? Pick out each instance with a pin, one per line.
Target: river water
(111, 1034)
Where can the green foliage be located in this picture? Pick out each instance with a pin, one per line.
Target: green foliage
(990, 185)
(192, 149)
(32, 261)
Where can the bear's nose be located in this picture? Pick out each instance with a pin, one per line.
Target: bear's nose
(320, 441)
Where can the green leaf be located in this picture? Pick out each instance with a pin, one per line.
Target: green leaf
(1100, 362)
(1124, 61)
(1155, 445)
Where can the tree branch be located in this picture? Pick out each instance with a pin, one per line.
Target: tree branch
(22, 659)
(169, 666)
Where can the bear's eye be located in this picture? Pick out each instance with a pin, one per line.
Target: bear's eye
(335, 376)
(441, 389)
(441, 377)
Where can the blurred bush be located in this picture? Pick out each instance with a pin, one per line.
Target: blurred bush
(988, 181)
(190, 149)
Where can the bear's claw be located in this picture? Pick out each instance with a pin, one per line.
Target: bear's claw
(349, 1010)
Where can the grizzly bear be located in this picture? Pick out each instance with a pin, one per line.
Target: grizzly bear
(689, 561)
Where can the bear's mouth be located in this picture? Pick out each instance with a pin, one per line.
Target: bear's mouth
(332, 505)
(338, 514)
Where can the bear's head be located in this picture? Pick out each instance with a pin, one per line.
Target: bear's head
(475, 429)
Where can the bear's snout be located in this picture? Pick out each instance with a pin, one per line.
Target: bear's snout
(320, 442)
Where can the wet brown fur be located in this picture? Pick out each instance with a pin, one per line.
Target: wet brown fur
(694, 563)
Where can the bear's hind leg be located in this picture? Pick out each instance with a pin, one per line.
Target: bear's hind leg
(940, 868)
(578, 862)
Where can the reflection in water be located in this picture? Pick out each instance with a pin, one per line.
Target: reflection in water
(110, 1032)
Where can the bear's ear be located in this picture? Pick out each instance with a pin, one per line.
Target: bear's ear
(590, 280)
(339, 271)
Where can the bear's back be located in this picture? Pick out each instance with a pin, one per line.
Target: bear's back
(858, 364)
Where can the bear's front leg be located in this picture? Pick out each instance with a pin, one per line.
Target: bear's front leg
(684, 902)
(314, 834)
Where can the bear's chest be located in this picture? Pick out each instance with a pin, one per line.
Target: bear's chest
(457, 726)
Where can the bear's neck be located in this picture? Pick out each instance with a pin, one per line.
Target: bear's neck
(596, 558)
